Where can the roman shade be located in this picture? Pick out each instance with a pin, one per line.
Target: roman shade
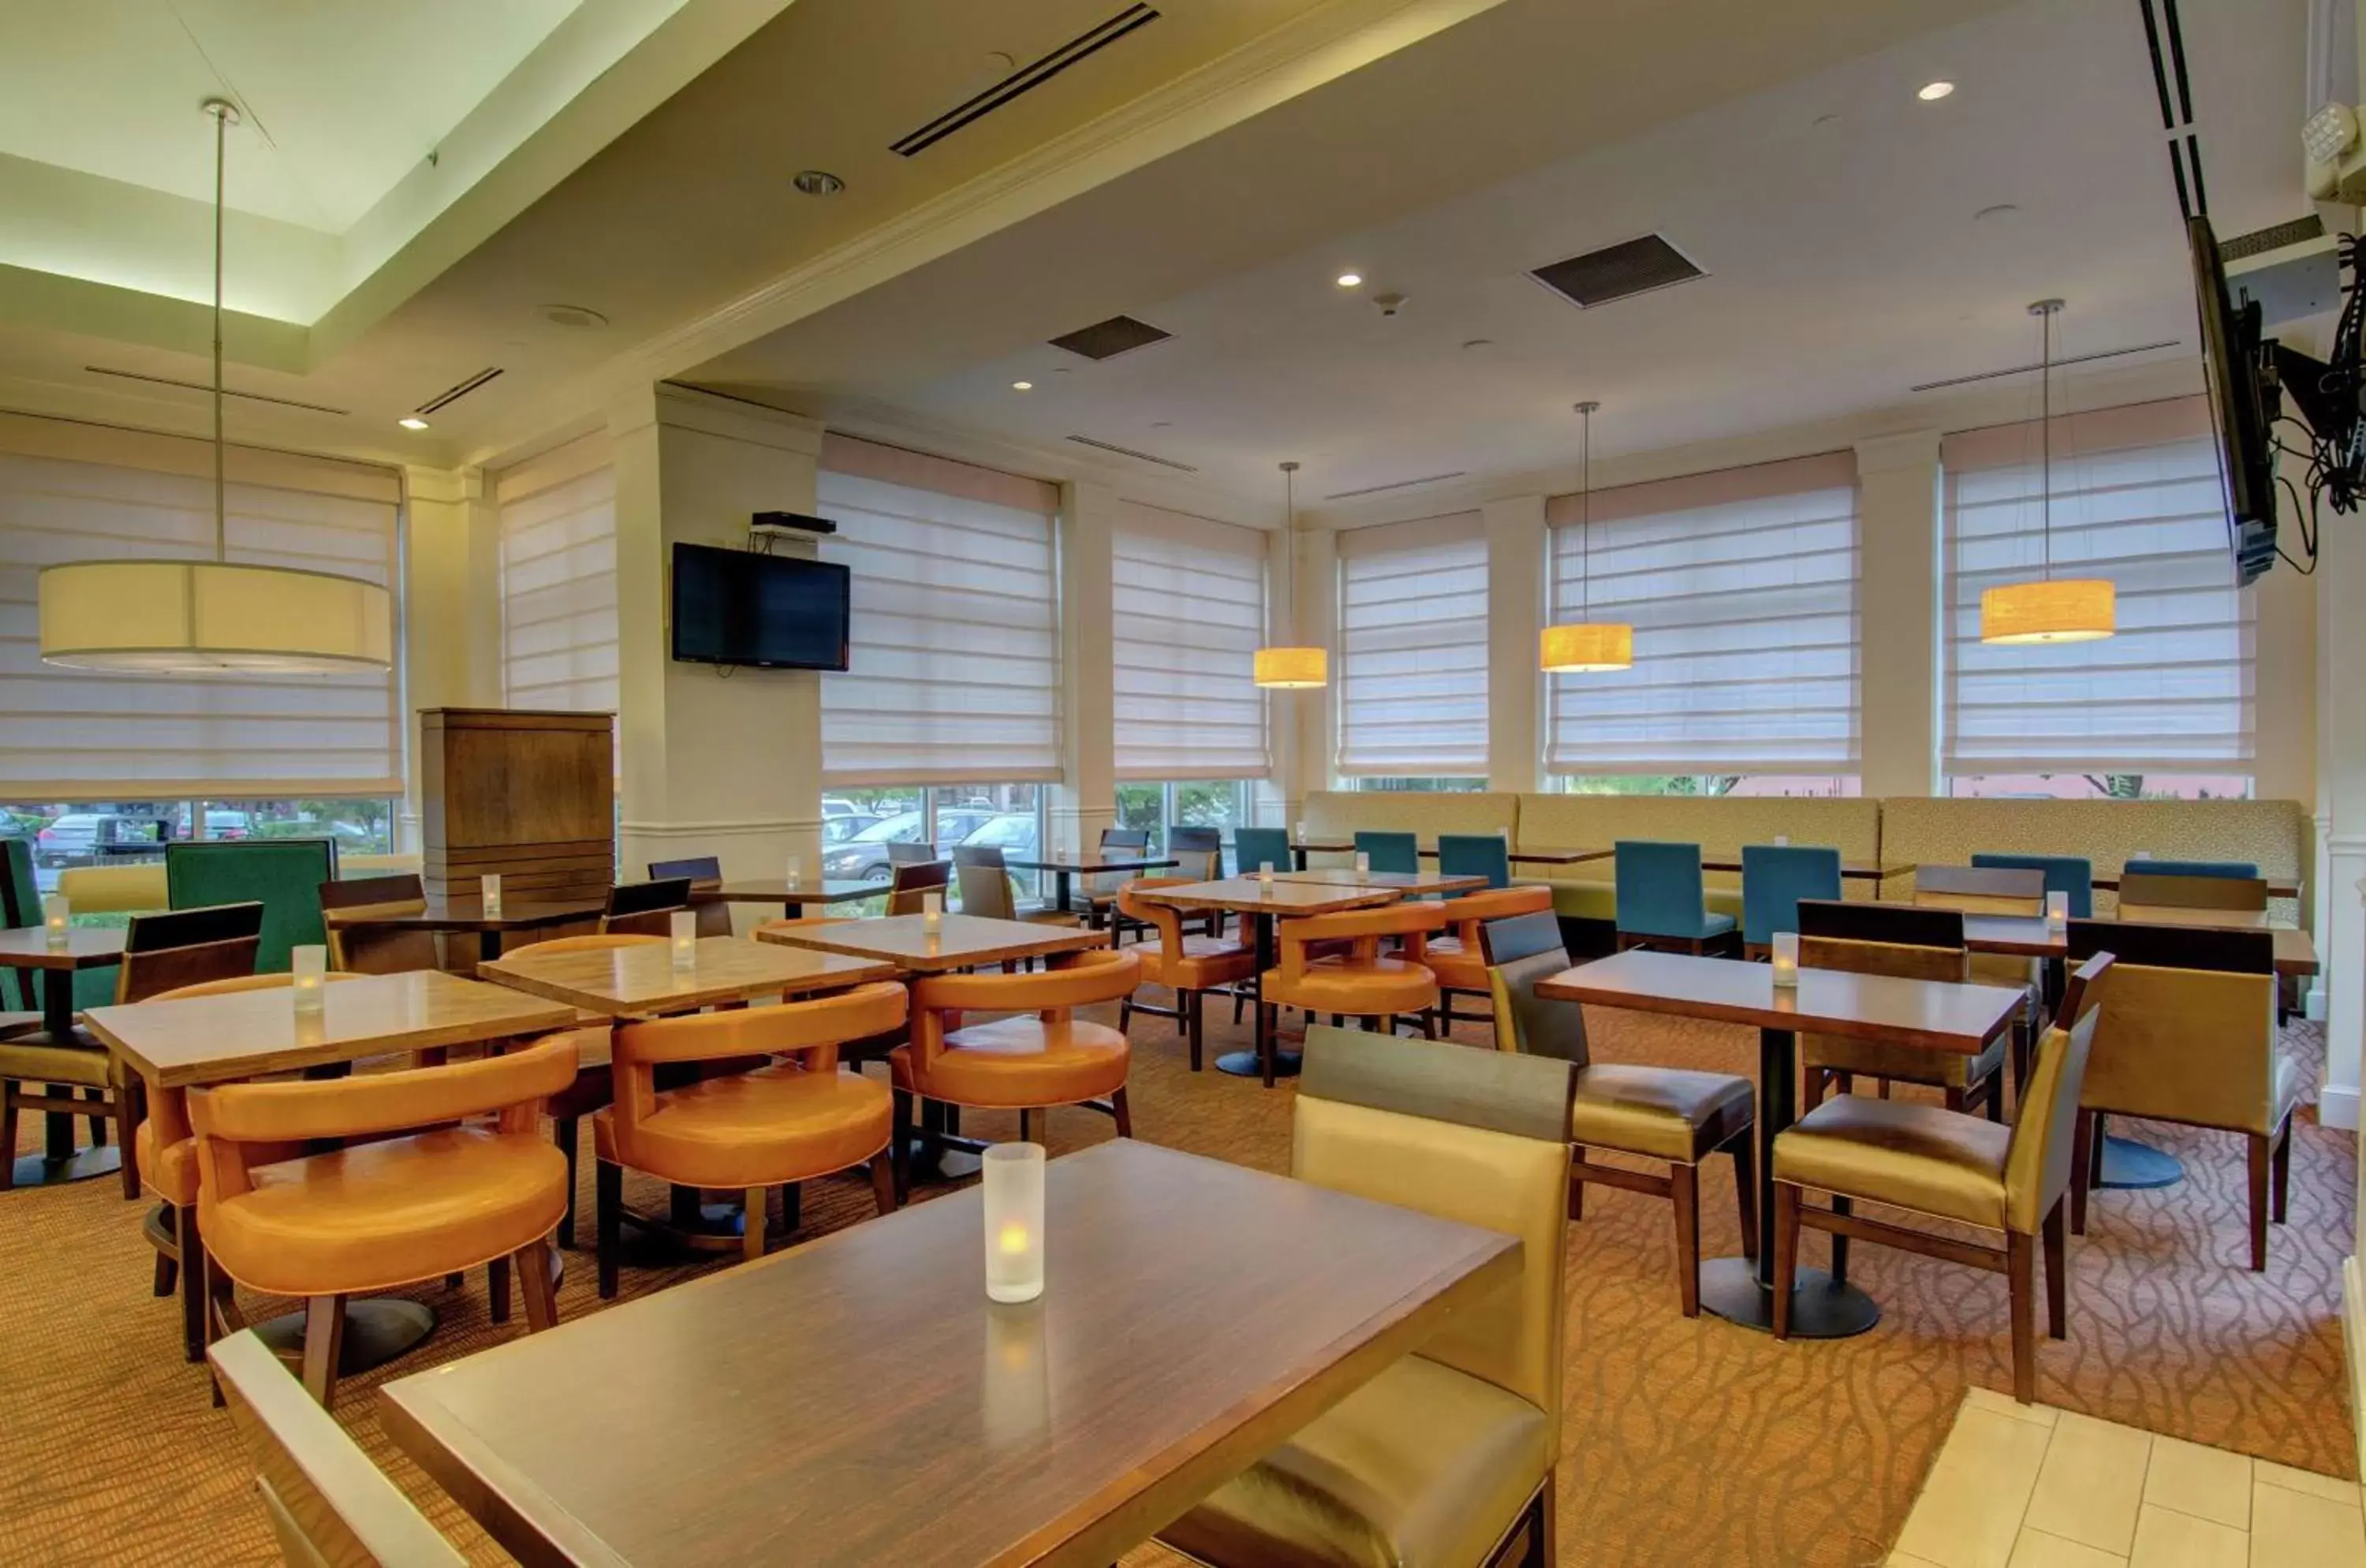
(559, 579)
(1187, 606)
(1412, 647)
(955, 675)
(70, 491)
(2136, 502)
(1741, 586)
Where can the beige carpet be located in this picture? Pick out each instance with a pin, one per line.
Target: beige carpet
(1686, 1443)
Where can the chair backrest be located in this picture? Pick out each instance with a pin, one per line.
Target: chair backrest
(2241, 869)
(1254, 847)
(2189, 1034)
(230, 1117)
(1520, 952)
(1476, 854)
(1477, 1137)
(646, 909)
(20, 904)
(1411, 921)
(915, 881)
(1122, 843)
(1066, 982)
(1774, 877)
(698, 868)
(283, 874)
(983, 881)
(1905, 924)
(1659, 888)
(2073, 875)
(810, 1029)
(365, 952)
(1981, 890)
(1467, 914)
(1197, 852)
(1166, 922)
(1396, 853)
(587, 942)
(911, 852)
(329, 1506)
(2037, 1162)
(186, 947)
(2142, 890)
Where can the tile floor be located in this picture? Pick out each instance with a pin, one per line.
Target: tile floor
(2030, 1486)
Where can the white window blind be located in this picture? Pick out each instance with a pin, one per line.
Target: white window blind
(1188, 598)
(71, 491)
(1412, 647)
(955, 674)
(559, 579)
(2135, 501)
(1741, 587)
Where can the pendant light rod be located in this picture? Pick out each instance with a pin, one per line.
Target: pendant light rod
(225, 115)
(1585, 509)
(2045, 311)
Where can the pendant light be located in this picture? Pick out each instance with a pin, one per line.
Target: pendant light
(1291, 668)
(2080, 609)
(1588, 645)
(217, 616)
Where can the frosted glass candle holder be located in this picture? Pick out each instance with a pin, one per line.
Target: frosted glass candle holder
(57, 917)
(932, 911)
(1782, 840)
(1014, 1221)
(1300, 830)
(2057, 910)
(490, 887)
(1363, 865)
(1265, 876)
(311, 968)
(796, 870)
(2141, 854)
(685, 940)
(1786, 959)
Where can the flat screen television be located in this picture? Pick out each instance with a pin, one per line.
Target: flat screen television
(2234, 361)
(773, 612)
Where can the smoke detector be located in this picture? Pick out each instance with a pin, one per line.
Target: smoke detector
(1390, 304)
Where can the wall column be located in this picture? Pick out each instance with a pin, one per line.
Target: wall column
(1516, 586)
(1084, 802)
(451, 604)
(1898, 599)
(720, 761)
(2341, 801)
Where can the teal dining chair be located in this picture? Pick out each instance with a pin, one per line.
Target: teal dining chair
(1774, 877)
(1475, 854)
(2073, 875)
(1254, 847)
(1398, 852)
(1660, 897)
(284, 875)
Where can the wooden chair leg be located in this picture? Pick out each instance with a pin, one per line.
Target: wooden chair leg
(497, 1288)
(1124, 1012)
(324, 1338)
(1576, 1195)
(608, 1221)
(2021, 1263)
(1786, 1254)
(97, 1098)
(1955, 1099)
(563, 1132)
(130, 1110)
(2279, 1173)
(1683, 1187)
(534, 1280)
(168, 1270)
(899, 1147)
(755, 1218)
(1026, 1126)
(2019, 1054)
(195, 1288)
(2260, 1151)
(1428, 1023)
(2082, 1168)
(1195, 1025)
(1121, 1113)
(1840, 1243)
(1745, 1192)
(8, 1135)
(1996, 1097)
(2058, 1274)
(883, 1181)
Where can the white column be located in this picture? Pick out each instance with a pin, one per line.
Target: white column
(2341, 802)
(1084, 802)
(717, 762)
(1517, 585)
(451, 612)
(1898, 599)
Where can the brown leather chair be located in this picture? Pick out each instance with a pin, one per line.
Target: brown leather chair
(385, 1213)
(1669, 1114)
(366, 952)
(1995, 890)
(714, 914)
(790, 1121)
(1458, 959)
(1951, 1168)
(159, 951)
(1446, 1455)
(327, 1503)
(914, 881)
(1042, 1057)
(2190, 1037)
(1909, 944)
(644, 908)
(1189, 965)
(1361, 982)
(593, 1085)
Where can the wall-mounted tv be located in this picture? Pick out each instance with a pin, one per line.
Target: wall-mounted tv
(773, 612)
(2233, 364)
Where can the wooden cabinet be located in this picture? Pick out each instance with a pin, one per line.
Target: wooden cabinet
(529, 794)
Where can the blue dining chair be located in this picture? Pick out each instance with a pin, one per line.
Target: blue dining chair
(1660, 896)
(1473, 854)
(1254, 847)
(2074, 875)
(2240, 870)
(1774, 877)
(1390, 851)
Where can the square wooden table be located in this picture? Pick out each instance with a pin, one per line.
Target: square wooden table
(1929, 1015)
(447, 913)
(640, 981)
(1408, 884)
(903, 942)
(1065, 869)
(1305, 847)
(860, 1401)
(792, 897)
(26, 950)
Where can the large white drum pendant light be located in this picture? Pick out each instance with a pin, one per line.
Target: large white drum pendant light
(2082, 609)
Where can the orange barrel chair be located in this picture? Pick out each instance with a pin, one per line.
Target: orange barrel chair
(1361, 982)
(1190, 966)
(787, 1122)
(434, 1201)
(1457, 959)
(1023, 1064)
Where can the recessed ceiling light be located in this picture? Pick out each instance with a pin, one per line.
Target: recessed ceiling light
(571, 316)
(1933, 92)
(1022, 386)
(818, 182)
(1351, 280)
(412, 422)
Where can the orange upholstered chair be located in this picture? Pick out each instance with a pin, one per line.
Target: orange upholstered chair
(1023, 1064)
(1361, 982)
(1190, 966)
(385, 1213)
(592, 1086)
(789, 1121)
(1457, 959)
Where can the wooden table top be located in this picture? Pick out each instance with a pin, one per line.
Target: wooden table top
(87, 947)
(1250, 896)
(467, 914)
(627, 982)
(858, 1400)
(1429, 851)
(1402, 881)
(245, 1035)
(1934, 1014)
(806, 890)
(1091, 862)
(2028, 936)
(903, 942)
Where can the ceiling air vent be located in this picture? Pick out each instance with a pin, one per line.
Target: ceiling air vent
(1618, 271)
(1395, 484)
(451, 395)
(1025, 80)
(1107, 340)
(1130, 452)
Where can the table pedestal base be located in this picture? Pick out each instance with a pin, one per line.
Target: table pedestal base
(40, 1170)
(1244, 1064)
(377, 1329)
(1819, 1309)
(2127, 1163)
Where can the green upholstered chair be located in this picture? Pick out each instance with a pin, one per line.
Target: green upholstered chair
(1475, 854)
(20, 904)
(282, 874)
(1396, 853)
(1254, 847)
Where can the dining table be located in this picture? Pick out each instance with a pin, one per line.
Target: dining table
(908, 944)
(462, 913)
(1301, 848)
(859, 1399)
(1408, 884)
(49, 970)
(794, 898)
(1065, 869)
(1931, 1015)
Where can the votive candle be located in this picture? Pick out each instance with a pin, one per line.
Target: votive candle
(1363, 865)
(685, 940)
(57, 914)
(796, 870)
(310, 968)
(2057, 910)
(1014, 1221)
(1786, 958)
(1265, 876)
(932, 911)
(490, 886)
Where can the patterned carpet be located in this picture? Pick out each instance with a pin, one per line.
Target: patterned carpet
(1685, 1444)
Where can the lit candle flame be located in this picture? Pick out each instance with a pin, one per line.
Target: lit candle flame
(1013, 1240)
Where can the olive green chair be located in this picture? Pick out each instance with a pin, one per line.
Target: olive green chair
(284, 875)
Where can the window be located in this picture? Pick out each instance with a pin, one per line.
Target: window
(65, 834)
(1188, 600)
(1438, 786)
(956, 621)
(2102, 786)
(71, 491)
(2136, 500)
(1742, 589)
(559, 579)
(1412, 647)
(1739, 785)
(1009, 816)
(1207, 803)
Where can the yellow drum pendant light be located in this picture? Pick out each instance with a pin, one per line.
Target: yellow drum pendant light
(1291, 668)
(1586, 645)
(2082, 609)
